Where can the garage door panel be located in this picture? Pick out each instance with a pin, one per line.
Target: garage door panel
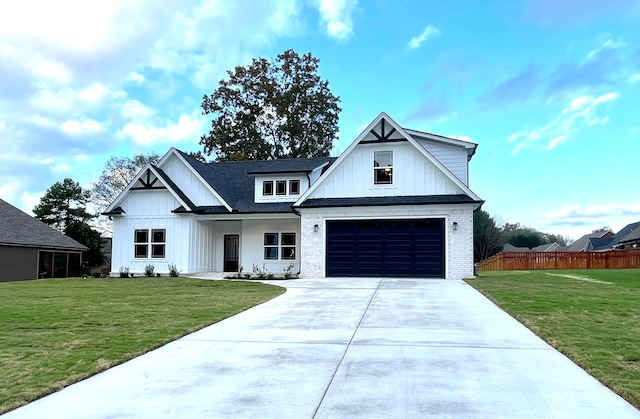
(386, 248)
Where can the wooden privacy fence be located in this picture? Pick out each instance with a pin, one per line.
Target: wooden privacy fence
(517, 261)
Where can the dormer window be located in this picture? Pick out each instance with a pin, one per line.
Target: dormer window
(294, 187)
(267, 187)
(383, 167)
(281, 187)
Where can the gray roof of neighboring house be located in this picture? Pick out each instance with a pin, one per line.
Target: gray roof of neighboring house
(623, 234)
(547, 247)
(633, 236)
(508, 247)
(582, 244)
(18, 228)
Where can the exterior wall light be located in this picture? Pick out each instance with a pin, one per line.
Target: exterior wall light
(455, 225)
(315, 228)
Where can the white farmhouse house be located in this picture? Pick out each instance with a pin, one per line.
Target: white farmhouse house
(395, 203)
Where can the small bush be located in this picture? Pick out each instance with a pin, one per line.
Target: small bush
(96, 272)
(124, 272)
(173, 270)
(149, 270)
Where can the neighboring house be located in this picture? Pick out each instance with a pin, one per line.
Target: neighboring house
(626, 237)
(30, 249)
(589, 242)
(396, 202)
(606, 240)
(548, 247)
(632, 239)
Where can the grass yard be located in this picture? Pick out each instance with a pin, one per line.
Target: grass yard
(592, 316)
(56, 332)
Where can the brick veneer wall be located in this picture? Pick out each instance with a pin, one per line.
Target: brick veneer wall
(459, 243)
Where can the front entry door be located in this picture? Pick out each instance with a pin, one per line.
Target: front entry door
(231, 247)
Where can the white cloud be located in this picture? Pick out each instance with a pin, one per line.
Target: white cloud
(136, 77)
(577, 211)
(146, 133)
(93, 93)
(428, 33)
(52, 71)
(80, 128)
(579, 113)
(335, 16)
(606, 44)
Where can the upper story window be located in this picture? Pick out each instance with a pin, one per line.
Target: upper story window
(294, 187)
(280, 187)
(267, 187)
(383, 167)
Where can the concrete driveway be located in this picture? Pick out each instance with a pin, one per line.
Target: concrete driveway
(348, 348)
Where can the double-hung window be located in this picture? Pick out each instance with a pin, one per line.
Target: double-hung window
(383, 167)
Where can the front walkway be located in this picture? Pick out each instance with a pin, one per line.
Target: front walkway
(348, 348)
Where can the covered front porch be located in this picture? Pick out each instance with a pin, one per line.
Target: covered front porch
(256, 246)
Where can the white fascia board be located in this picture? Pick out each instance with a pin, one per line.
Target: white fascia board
(341, 157)
(136, 178)
(122, 194)
(468, 145)
(174, 151)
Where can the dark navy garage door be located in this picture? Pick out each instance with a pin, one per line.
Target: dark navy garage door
(403, 248)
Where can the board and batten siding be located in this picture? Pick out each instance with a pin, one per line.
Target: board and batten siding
(453, 158)
(413, 175)
(189, 182)
(18, 263)
(149, 209)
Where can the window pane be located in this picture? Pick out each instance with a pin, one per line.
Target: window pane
(157, 251)
(158, 236)
(271, 253)
(281, 187)
(141, 251)
(270, 238)
(382, 158)
(141, 236)
(383, 176)
(288, 253)
(294, 187)
(289, 239)
(267, 187)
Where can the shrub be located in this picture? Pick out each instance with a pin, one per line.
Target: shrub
(173, 270)
(96, 272)
(124, 272)
(149, 270)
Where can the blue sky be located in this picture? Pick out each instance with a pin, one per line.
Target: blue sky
(550, 90)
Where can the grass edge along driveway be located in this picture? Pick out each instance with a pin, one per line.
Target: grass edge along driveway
(591, 316)
(56, 332)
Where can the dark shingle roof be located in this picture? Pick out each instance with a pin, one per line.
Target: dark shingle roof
(20, 229)
(388, 200)
(622, 234)
(235, 181)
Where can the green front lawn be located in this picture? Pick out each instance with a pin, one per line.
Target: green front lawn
(56, 332)
(592, 316)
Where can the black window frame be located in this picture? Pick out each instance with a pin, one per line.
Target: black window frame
(267, 187)
(296, 190)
